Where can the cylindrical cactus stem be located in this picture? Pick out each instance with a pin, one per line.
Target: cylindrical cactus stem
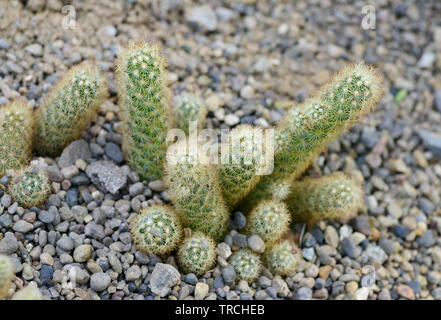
(244, 157)
(305, 130)
(156, 230)
(333, 197)
(269, 219)
(246, 264)
(195, 190)
(16, 135)
(144, 99)
(197, 254)
(189, 108)
(282, 258)
(68, 108)
(30, 186)
(28, 293)
(6, 276)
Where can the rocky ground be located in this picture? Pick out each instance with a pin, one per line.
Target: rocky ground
(249, 60)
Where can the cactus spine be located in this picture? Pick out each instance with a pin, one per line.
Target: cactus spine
(68, 108)
(28, 293)
(188, 107)
(144, 99)
(195, 190)
(156, 230)
(30, 187)
(6, 276)
(240, 171)
(282, 258)
(246, 264)
(304, 131)
(197, 254)
(269, 219)
(16, 135)
(333, 197)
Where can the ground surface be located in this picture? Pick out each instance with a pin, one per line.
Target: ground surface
(248, 60)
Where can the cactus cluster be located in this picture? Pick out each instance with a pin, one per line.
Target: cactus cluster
(197, 254)
(29, 186)
(16, 135)
(6, 276)
(195, 190)
(67, 109)
(28, 293)
(244, 155)
(282, 258)
(189, 108)
(246, 264)
(144, 99)
(305, 130)
(337, 196)
(270, 219)
(156, 230)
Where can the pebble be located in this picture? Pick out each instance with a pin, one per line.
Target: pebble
(304, 293)
(349, 248)
(100, 281)
(200, 291)
(163, 278)
(256, 243)
(83, 253)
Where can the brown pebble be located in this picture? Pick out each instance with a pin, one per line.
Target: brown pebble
(406, 292)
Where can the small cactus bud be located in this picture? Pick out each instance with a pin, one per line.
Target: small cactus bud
(269, 219)
(197, 254)
(68, 108)
(282, 258)
(16, 135)
(187, 108)
(246, 264)
(333, 197)
(30, 187)
(156, 230)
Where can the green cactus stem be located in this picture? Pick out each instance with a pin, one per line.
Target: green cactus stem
(282, 258)
(189, 107)
(197, 254)
(246, 264)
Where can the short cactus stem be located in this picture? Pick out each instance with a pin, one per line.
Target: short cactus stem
(30, 187)
(282, 258)
(28, 293)
(270, 219)
(197, 254)
(189, 108)
(240, 171)
(246, 264)
(6, 276)
(16, 135)
(68, 108)
(156, 230)
(144, 99)
(195, 190)
(333, 197)
(305, 130)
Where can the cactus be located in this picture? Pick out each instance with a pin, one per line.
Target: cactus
(304, 131)
(336, 196)
(29, 187)
(282, 258)
(197, 254)
(67, 109)
(194, 189)
(144, 99)
(240, 171)
(189, 107)
(16, 135)
(270, 219)
(156, 230)
(6, 276)
(246, 264)
(28, 293)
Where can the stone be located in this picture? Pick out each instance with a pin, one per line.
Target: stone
(362, 293)
(201, 291)
(426, 60)
(203, 16)
(100, 281)
(22, 226)
(78, 149)
(231, 119)
(83, 253)
(191, 278)
(133, 273)
(256, 243)
(35, 49)
(406, 292)
(426, 205)
(65, 243)
(431, 140)
(223, 250)
(229, 274)
(113, 151)
(164, 276)
(331, 236)
(304, 293)
(106, 176)
(239, 220)
(349, 248)
(426, 240)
